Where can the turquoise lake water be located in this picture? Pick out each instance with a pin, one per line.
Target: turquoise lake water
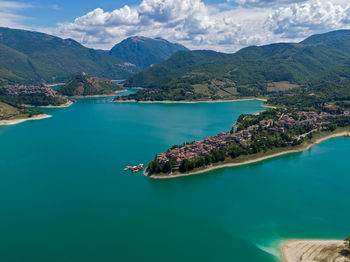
(65, 197)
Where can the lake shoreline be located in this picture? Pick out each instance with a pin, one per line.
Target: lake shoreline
(100, 96)
(51, 85)
(247, 162)
(68, 104)
(190, 102)
(291, 250)
(21, 120)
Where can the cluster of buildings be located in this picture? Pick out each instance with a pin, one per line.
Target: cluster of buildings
(15, 90)
(306, 118)
(284, 121)
(203, 147)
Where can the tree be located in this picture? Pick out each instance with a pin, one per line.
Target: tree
(332, 127)
(186, 165)
(155, 167)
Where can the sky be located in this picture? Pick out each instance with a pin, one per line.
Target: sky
(221, 25)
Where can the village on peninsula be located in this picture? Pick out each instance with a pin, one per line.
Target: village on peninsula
(281, 129)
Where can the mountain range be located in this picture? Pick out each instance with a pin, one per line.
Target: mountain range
(252, 71)
(31, 58)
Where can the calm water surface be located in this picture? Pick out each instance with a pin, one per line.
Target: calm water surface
(64, 196)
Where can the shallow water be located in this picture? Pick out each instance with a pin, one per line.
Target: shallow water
(65, 197)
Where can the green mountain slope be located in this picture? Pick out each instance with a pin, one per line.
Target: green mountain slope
(252, 71)
(32, 57)
(144, 52)
(14, 65)
(84, 85)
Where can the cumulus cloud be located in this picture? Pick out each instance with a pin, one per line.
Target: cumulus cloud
(264, 3)
(201, 26)
(298, 20)
(190, 22)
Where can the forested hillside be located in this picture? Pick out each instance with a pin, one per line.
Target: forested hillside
(252, 71)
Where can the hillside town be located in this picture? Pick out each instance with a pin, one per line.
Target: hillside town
(15, 90)
(283, 123)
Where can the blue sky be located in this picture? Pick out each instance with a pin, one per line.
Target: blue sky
(223, 25)
(51, 12)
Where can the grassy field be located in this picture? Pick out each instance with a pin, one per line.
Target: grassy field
(280, 86)
(8, 112)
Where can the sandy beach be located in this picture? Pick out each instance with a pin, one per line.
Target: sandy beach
(191, 102)
(313, 250)
(51, 85)
(211, 168)
(68, 104)
(17, 121)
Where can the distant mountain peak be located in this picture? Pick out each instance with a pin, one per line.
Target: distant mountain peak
(144, 51)
(145, 39)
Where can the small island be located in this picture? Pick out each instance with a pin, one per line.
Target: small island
(316, 250)
(254, 138)
(83, 85)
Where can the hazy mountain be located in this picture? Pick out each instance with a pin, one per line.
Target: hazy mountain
(144, 52)
(32, 57)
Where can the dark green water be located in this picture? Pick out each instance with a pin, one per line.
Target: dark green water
(64, 196)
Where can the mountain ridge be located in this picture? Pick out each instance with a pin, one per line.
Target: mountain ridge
(251, 71)
(28, 57)
(143, 51)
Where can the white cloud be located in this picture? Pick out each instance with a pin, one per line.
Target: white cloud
(298, 20)
(10, 5)
(190, 22)
(264, 3)
(9, 13)
(201, 26)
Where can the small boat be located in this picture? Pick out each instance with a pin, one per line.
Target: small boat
(135, 169)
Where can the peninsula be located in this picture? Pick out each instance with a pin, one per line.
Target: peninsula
(10, 115)
(15, 100)
(83, 85)
(32, 96)
(253, 138)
